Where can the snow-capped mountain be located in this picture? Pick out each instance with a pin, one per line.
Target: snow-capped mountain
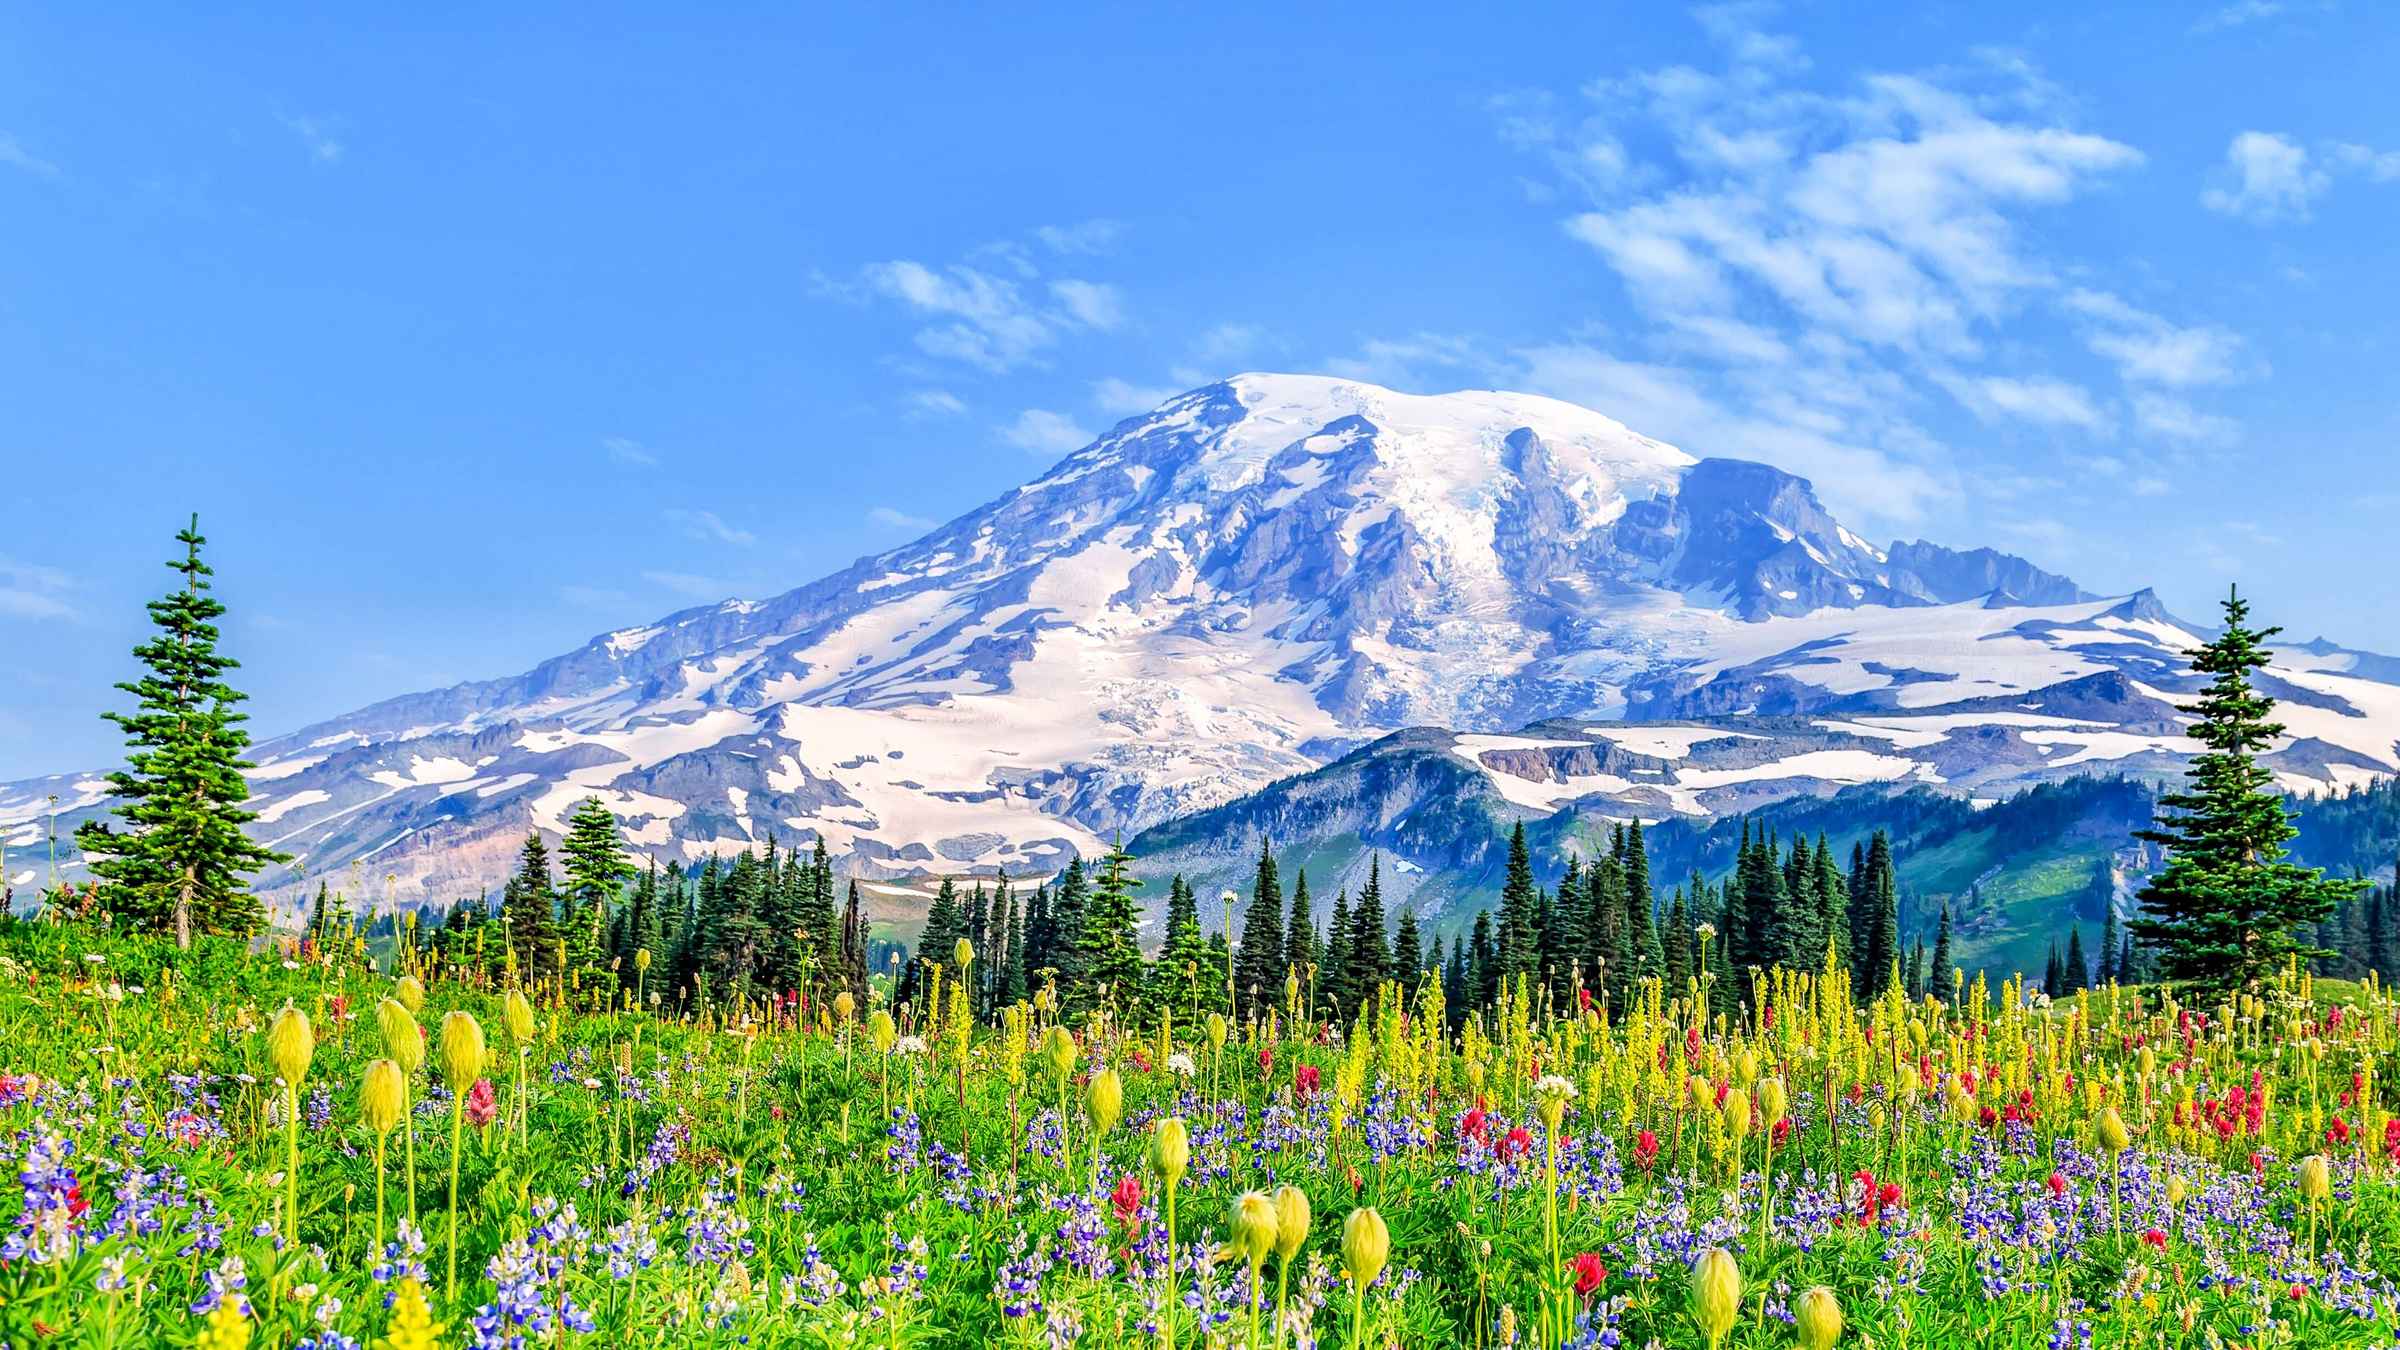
(1240, 586)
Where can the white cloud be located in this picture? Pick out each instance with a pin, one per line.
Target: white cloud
(32, 591)
(2040, 399)
(1091, 303)
(317, 136)
(1123, 399)
(898, 519)
(1042, 432)
(2238, 13)
(1865, 480)
(626, 451)
(2150, 350)
(2382, 166)
(2177, 420)
(707, 526)
(17, 155)
(1412, 362)
(1090, 236)
(935, 403)
(1226, 345)
(2270, 179)
(691, 586)
(992, 327)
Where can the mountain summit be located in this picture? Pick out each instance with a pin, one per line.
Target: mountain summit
(1244, 584)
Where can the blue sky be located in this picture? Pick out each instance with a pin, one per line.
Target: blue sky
(468, 342)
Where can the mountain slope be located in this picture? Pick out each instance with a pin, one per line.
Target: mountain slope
(1238, 587)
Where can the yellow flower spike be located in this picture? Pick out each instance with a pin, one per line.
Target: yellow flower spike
(413, 1327)
(1817, 1316)
(226, 1328)
(1716, 1294)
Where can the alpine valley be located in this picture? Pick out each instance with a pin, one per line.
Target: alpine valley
(1356, 623)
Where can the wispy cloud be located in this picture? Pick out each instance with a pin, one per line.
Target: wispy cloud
(600, 598)
(317, 134)
(33, 591)
(708, 526)
(625, 451)
(2149, 350)
(2041, 400)
(994, 312)
(1040, 431)
(691, 586)
(1091, 303)
(895, 518)
(17, 156)
(2266, 177)
(1122, 398)
(1090, 236)
(935, 403)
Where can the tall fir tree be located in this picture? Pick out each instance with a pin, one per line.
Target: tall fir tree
(1370, 961)
(1677, 942)
(1182, 975)
(1518, 942)
(2107, 973)
(181, 864)
(1939, 980)
(2222, 914)
(528, 905)
(1300, 935)
(1115, 964)
(1258, 966)
(1408, 949)
(1883, 918)
(597, 870)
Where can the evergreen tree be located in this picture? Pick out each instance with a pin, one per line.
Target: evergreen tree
(945, 924)
(1517, 939)
(1645, 954)
(2108, 944)
(1677, 942)
(527, 905)
(816, 917)
(1941, 980)
(2222, 914)
(317, 931)
(1300, 935)
(181, 863)
(1831, 896)
(597, 870)
(1408, 950)
(1916, 968)
(1069, 906)
(1883, 932)
(1335, 994)
(2054, 972)
(1483, 964)
(1115, 963)
(1183, 974)
(1258, 966)
(2078, 968)
(1370, 961)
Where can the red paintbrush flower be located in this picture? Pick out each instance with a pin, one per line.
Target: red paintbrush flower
(1589, 1272)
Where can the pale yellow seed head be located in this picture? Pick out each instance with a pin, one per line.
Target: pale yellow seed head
(963, 953)
(383, 1096)
(1292, 1220)
(291, 1044)
(641, 959)
(1254, 1226)
(1170, 1149)
(1817, 1316)
(1216, 1031)
(1736, 1111)
(403, 1039)
(882, 1032)
(843, 1006)
(1366, 1245)
(1774, 1103)
(1716, 1293)
(1104, 1101)
(462, 1050)
(2113, 1135)
(518, 1013)
(410, 993)
(1058, 1053)
(2316, 1177)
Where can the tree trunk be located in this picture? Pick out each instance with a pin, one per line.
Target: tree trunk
(183, 912)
